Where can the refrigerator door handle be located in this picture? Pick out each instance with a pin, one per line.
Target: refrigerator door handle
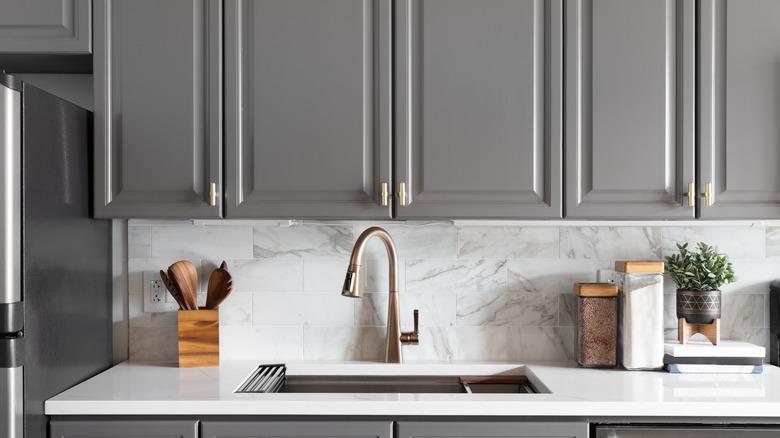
(11, 410)
(10, 195)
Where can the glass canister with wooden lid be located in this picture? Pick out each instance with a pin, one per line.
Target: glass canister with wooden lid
(597, 324)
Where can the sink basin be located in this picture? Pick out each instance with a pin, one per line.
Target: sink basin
(274, 380)
(374, 384)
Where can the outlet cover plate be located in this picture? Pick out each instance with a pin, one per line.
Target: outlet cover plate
(157, 299)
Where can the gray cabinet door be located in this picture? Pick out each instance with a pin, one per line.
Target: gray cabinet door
(487, 429)
(740, 108)
(307, 108)
(158, 109)
(45, 26)
(297, 429)
(630, 109)
(124, 429)
(478, 108)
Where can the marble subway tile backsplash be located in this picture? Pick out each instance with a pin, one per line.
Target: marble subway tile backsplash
(484, 292)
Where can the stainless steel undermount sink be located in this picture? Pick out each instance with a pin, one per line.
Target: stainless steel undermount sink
(273, 378)
(407, 384)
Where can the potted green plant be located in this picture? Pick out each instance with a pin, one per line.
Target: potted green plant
(699, 274)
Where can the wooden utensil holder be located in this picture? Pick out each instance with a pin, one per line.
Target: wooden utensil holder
(198, 338)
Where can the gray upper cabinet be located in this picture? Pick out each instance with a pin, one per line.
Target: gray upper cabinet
(630, 83)
(740, 109)
(45, 26)
(307, 108)
(158, 108)
(478, 108)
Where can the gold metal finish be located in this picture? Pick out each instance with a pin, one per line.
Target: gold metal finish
(708, 201)
(691, 194)
(352, 286)
(402, 193)
(413, 337)
(213, 195)
(384, 194)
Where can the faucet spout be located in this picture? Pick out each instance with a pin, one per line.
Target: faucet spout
(353, 285)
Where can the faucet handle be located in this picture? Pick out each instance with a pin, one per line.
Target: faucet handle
(412, 338)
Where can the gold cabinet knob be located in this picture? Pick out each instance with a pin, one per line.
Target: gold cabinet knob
(402, 193)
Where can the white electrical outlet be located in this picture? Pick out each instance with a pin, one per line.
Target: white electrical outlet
(157, 299)
(605, 276)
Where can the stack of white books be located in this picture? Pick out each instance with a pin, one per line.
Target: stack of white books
(701, 357)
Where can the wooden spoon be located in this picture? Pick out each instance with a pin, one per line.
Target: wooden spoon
(185, 276)
(220, 286)
(174, 291)
(223, 265)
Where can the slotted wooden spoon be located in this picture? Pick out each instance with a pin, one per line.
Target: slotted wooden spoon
(220, 286)
(171, 286)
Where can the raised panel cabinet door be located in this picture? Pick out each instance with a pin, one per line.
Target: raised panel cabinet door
(45, 26)
(124, 429)
(307, 108)
(158, 108)
(297, 429)
(740, 109)
(489, 429)
(630, 115)
(478, 108)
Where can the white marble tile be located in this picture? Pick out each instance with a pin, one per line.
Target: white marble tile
(261, 275)
(139, 242)
(325, 276)
(616, 243)
(213, 241)
(753, 277)
(513, 310)
(236, 310)
(743, 311)
(434, 275)
(164, 319)
(773, 243)
(757, 336)
(303, 241)
(261, 343)
(567, 310)
(344, 343)
(436, 310)
(490, 343)
(415, 241)
(135, 309)
(299, 309)
(746, 242)
(551, 276)
(508, 242)
(154, 343)
(376, 275)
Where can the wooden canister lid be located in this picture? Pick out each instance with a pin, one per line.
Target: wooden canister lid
(640, 266)
(595, 289)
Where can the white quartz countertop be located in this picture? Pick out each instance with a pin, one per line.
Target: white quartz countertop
(147, 388)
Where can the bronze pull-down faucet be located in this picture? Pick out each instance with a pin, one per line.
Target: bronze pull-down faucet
(353, 284)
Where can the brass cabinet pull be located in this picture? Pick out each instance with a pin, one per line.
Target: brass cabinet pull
(691, 194)
(402, 193)
(213, 195)
(708, 201)
(384, 194)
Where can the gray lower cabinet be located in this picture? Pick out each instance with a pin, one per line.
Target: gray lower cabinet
(630, 113)
(158, 108)
(478, 100)
(739, 62)
(307, 109)
(297, 429)
(124, 429)
(454, 429)
(45, 26)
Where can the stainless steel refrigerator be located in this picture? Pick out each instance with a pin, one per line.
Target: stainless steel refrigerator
(55, 261)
